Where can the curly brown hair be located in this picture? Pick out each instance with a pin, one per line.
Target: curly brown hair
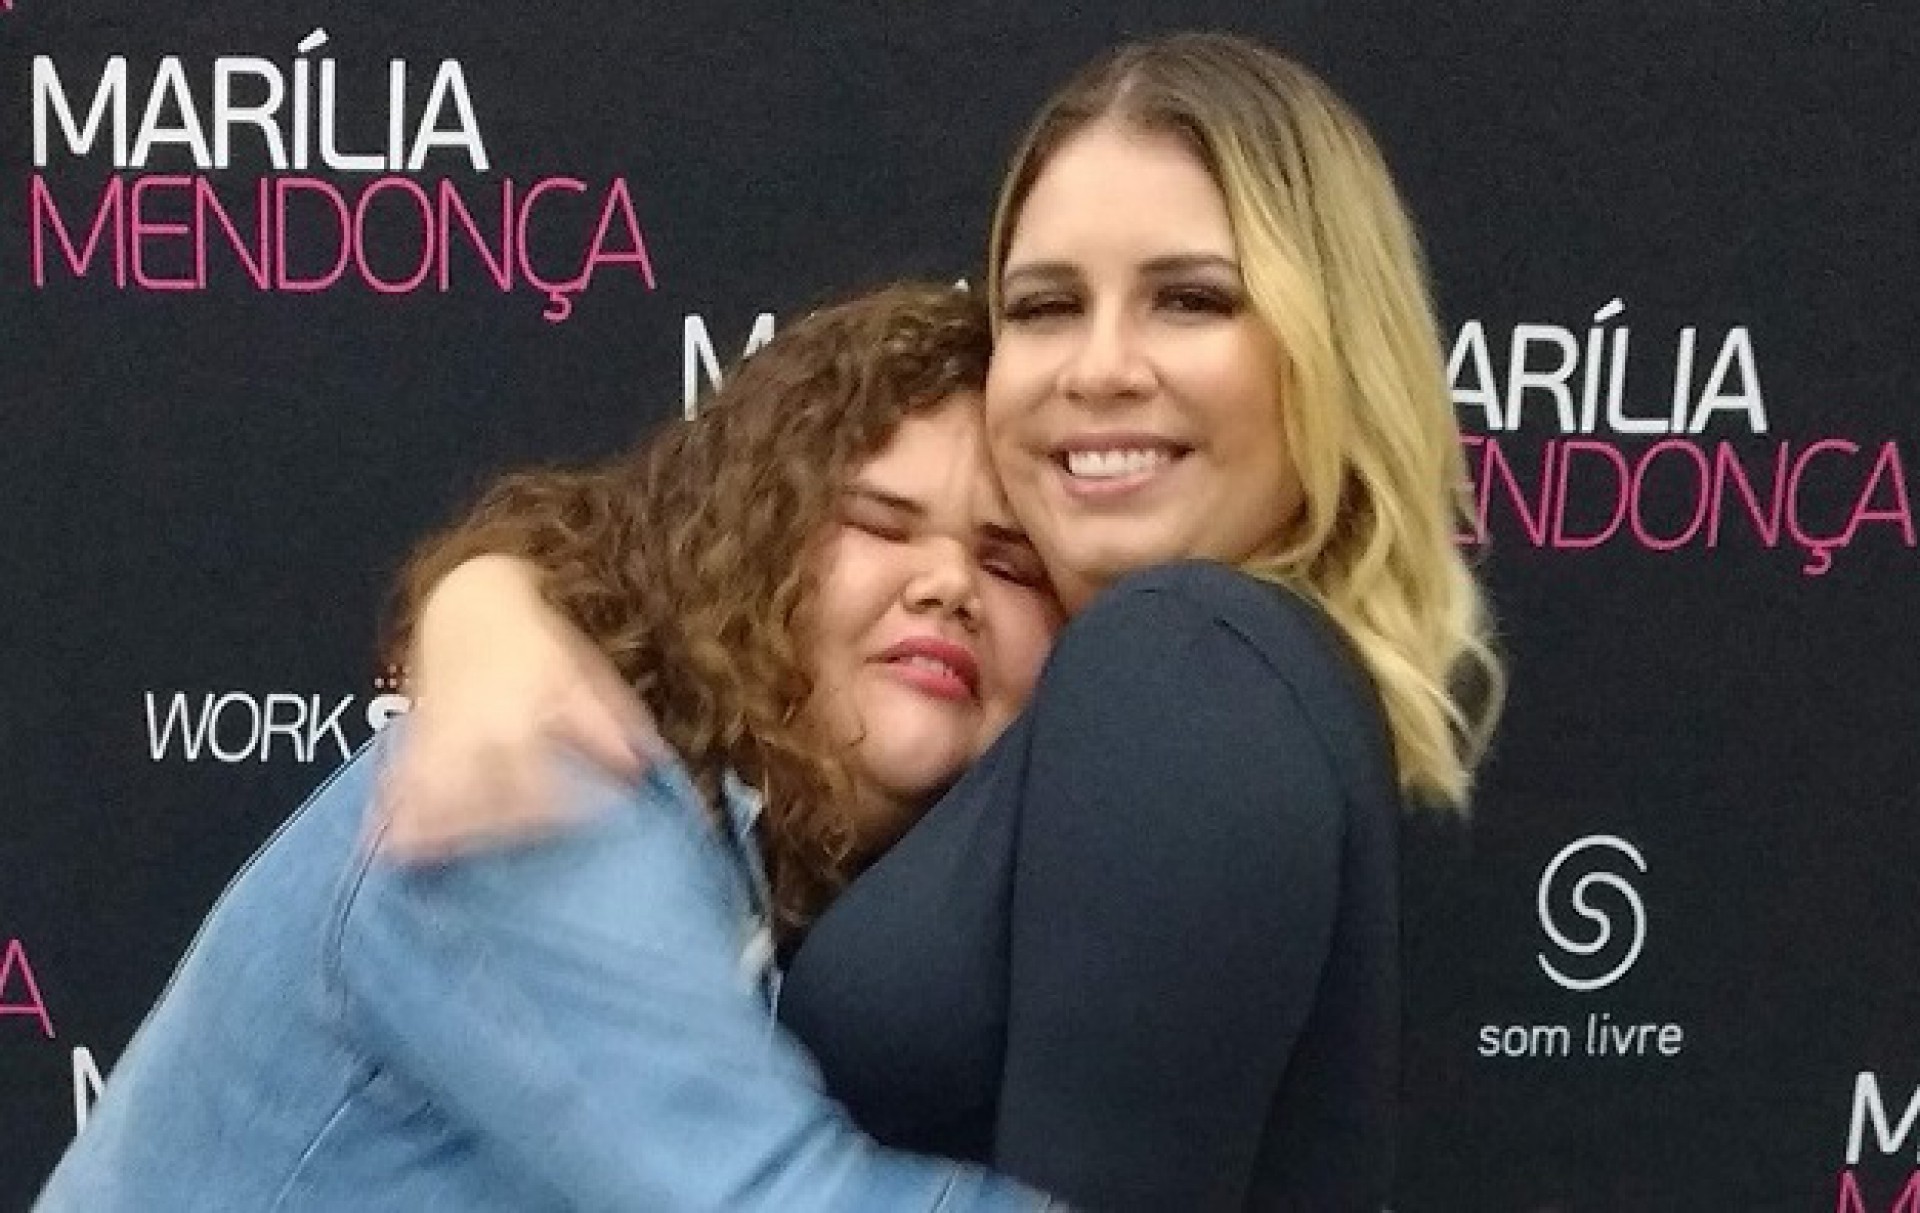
(690, 559)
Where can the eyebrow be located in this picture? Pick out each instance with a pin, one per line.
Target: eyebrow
(907, 505)
(892, 501)
(1168, 263)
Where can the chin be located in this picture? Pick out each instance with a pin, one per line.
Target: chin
(1104, 563)
(918, 769)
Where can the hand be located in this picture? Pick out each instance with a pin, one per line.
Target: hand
(500, 682)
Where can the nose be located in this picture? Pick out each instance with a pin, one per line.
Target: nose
(1107, 363)
(946, 579)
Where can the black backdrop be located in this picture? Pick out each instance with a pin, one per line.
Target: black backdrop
(210, 471)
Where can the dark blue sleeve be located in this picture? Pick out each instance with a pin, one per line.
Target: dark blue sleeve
(1175, 886)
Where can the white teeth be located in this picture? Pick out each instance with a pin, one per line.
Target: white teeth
(929, 663)
(1107, 464)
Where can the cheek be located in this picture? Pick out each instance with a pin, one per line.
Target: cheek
(1015, 385)
(1017, 470)
(849, 597)
(1022, 643)
(1008, 422)
(1242, 383)
(830, 588)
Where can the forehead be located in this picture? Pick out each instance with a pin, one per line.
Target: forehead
(928, 445)
(938, 460)
(1115, 186)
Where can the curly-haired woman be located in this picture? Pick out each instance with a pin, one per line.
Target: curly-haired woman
(817, 590)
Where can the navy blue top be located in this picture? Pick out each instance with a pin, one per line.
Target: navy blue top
(1145, 955)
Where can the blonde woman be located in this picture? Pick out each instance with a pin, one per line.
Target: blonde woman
(1145, 954)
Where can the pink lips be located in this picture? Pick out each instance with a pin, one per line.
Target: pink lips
(938, 667)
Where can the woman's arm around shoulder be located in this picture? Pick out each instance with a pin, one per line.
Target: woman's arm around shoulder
(589, 1005)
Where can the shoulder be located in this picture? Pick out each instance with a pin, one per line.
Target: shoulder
(1179, 744)
(1196, 631)
(1203, 585)
(1197, 600)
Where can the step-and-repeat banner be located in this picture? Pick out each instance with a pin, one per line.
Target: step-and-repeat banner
(281, 285)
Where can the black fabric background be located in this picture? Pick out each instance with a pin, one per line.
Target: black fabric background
(207, 491)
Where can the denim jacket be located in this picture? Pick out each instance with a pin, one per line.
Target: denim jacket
(583, 1022)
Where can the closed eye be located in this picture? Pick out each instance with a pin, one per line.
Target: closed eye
(1199, 300)
(1015, 574)
(875, 516)
(888, 532)
(1013, 561)
(1023, 309)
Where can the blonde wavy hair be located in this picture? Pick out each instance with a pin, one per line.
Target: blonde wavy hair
(692, 560)
(1332, 265)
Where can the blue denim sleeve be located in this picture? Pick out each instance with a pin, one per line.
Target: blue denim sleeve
(580, 1004)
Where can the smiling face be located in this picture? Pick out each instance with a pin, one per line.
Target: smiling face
(931, 619)
(1133, 403)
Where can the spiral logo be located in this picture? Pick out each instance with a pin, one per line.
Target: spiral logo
(1590, 938)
